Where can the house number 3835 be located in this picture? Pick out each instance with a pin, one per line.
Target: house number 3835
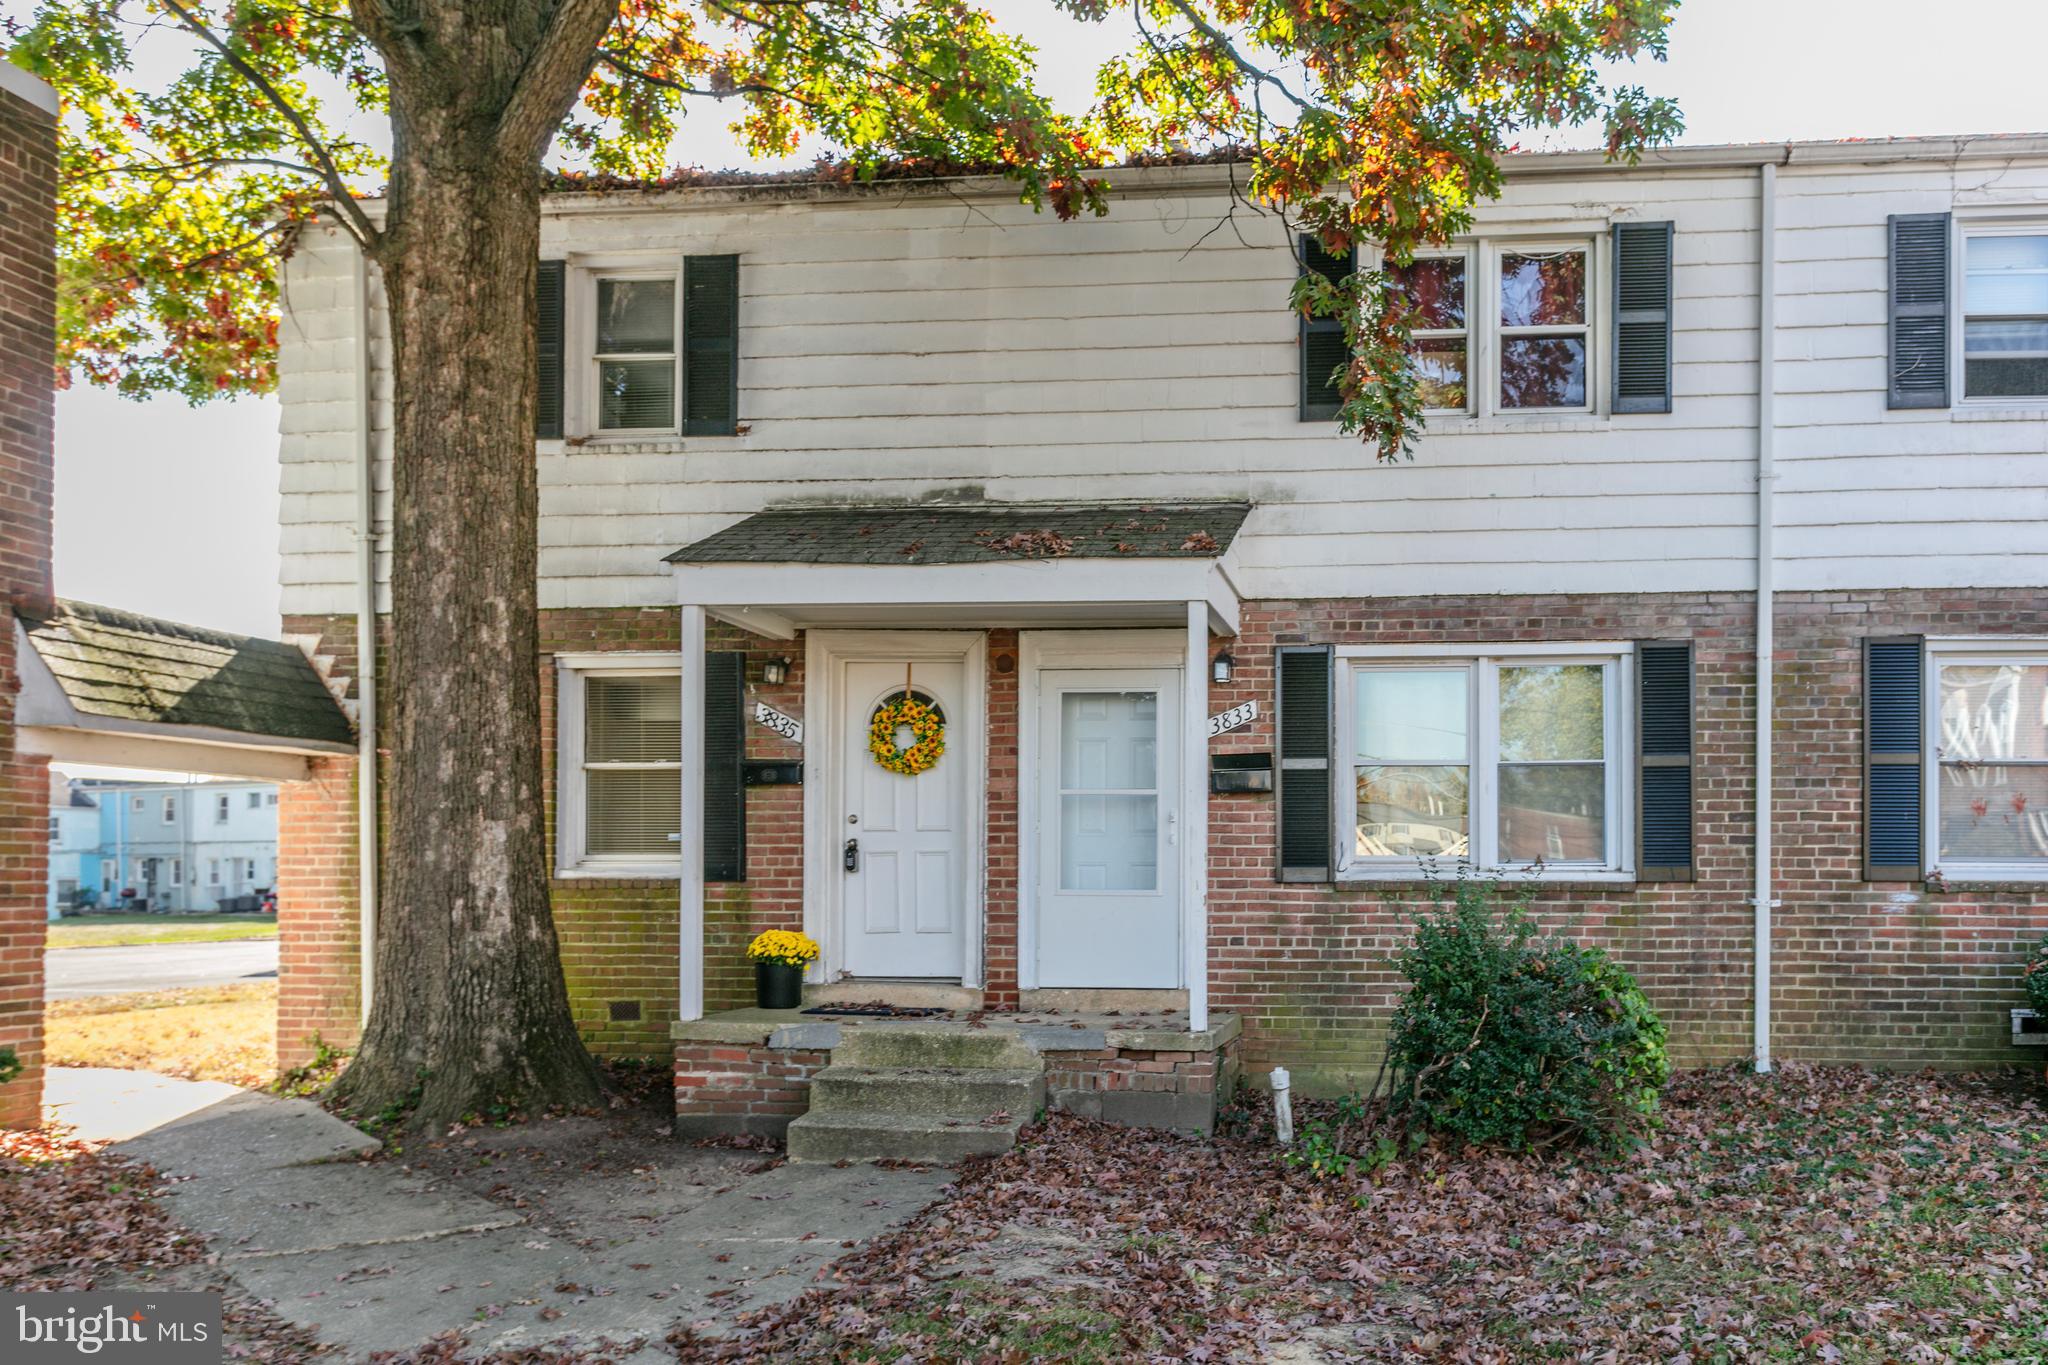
(789, 727)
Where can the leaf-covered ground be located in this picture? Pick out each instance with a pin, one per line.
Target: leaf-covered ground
(1811, 1215)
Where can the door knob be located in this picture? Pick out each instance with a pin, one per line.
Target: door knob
(851, 856)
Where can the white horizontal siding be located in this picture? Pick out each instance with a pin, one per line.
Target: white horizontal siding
(890, 348)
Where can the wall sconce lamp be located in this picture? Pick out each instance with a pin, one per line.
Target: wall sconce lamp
(1221, 666)
(775, 672)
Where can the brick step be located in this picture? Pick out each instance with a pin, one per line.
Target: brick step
(971, 1092)
(910, 1046)
(881, 1135)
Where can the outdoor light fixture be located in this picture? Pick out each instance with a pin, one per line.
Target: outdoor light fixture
(775, 672)
(1220, 667)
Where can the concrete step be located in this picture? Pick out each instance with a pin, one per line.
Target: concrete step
(970, 1092)
(877, 1136)
(883, 1045)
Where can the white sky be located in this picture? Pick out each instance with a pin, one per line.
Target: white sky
(172, 510)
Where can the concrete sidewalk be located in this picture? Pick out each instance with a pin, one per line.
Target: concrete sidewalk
(375, 1255)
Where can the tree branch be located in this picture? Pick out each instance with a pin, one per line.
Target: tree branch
(1237, 59)
(172, 167)
(612, 60)
(364, 231)
(553, 74)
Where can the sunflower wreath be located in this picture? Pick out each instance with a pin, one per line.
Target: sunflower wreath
(925, 724)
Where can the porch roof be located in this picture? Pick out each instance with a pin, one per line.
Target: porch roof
(967, 564)
(973, 533)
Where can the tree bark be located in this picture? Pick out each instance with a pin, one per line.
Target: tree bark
(471, 1013)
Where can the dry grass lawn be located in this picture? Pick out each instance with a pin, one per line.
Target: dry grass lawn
(127, 931)
(203, 1033)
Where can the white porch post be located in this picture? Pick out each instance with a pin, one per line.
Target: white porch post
(690, 824)
(1194, 844)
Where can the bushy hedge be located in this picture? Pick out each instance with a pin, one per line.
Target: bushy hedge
(2037, 977)
(1515, 1038)
(10, 1065)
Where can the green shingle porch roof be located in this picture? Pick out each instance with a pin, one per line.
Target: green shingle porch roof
(978, 533)
(129, 667)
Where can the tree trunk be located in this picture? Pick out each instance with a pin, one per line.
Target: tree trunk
(471, 1012)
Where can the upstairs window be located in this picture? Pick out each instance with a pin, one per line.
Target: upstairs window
(1544, 331)
(1434, 287)
(2005, 315)
(222, 807)
(170, 810)
(636, 353)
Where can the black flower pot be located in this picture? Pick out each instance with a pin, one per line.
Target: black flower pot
(778, 986)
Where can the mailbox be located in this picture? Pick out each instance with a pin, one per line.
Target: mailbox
(758, 772)
(1240, 773)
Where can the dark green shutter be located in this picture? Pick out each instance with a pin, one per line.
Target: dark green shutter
(725, 794)
(1642, 317)
(547, 328)
(1664, 761)
(711, 345)
(1323, 348)
(1919, 310)
(1302, 718)
(1892, 794)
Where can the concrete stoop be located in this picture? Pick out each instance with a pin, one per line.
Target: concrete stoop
(915, 1096)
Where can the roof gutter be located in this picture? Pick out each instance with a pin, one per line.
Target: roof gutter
(366, 647)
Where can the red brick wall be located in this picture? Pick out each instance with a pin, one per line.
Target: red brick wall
(1883, 974)
(318, 958)
(730, 1088)
(28, 294)
(618, 935)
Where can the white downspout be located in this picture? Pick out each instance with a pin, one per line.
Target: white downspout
(1766, 555)
(366, 645)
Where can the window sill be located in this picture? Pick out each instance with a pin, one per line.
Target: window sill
(1453, 425)
(620, 872)
(1559, 878)
(2022, 411)
(636, 445)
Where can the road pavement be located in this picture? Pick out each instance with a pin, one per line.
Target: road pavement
(74, 972)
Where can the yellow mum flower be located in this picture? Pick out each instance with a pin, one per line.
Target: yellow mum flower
(784, 946)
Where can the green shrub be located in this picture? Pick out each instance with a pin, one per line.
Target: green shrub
(2037, 977)
(1511, 1037)
(10, 1065)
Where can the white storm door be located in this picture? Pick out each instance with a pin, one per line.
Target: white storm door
(904, 885)
(1107, 867)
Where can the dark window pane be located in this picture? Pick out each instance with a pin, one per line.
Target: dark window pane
(635, 315)
(1440, 370)
(632, 720)
(1554, 813)
(1434, 288)
(1542, 291)
(1985, 378)
(1543, 372)
(1412, 812)
(636, 395)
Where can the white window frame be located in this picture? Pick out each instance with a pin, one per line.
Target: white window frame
(138, 804)
(1959, 283)
(170, 810)
(177, 872)
(589, 277)
(255, 801)
(1482, 720)
(1469, 253)
(223, 808)
(213, 872)
(572, 673)
(1499, 333)
(1964, 650)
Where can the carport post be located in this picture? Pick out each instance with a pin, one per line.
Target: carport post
(690, 824)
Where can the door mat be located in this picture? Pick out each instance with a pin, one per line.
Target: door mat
(876, 1010)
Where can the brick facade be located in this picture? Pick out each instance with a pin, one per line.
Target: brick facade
(1879, 973)
(722, 1089)
(28, 313)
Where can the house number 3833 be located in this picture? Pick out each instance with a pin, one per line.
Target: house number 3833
(1223, 722)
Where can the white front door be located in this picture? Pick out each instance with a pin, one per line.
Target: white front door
(1108, 859)
(903, 857)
